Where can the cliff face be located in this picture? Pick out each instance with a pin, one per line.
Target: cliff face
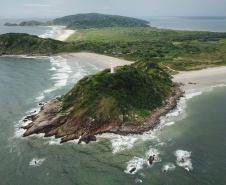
(129, 101)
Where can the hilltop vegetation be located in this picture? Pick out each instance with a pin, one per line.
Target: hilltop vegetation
(89, 20)
(131, 100)
(128, 95)
(22, 44)
(179, 50)
(95, 20)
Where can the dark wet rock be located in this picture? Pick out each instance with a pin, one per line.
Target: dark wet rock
(151, 159)
(87, 139)
(132, 170)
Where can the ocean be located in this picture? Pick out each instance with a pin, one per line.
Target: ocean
(213, 24)
(189, 143)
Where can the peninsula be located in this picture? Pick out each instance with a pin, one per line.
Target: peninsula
(133, 97)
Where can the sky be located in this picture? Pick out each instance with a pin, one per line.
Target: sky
(135, 8)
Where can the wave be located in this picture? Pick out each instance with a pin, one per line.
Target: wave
(121, 143)
(184, 159)
(35, 162)
(60, 76)
(136, 163)
(168, 167)
(53, 32)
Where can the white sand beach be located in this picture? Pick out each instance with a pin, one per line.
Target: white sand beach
(60, 33)
(64, 34)
(202, 79)
(103, 60)
(193, 81)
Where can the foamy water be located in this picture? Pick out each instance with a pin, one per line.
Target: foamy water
(36, 162)
(61, 73)
(54, 32)
(184, 159)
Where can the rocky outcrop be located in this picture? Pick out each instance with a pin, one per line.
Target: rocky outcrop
(52, 122)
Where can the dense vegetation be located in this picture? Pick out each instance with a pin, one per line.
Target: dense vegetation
(95, 20)
(19, 44)
(90, 20)
(34, 23)
(179, 50)
(132, 91)
(128, 95)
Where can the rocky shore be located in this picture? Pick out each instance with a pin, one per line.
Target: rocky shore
(52, 122)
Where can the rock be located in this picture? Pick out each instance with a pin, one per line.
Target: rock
(151, 159)
(132, 170)
(28, 118)
(87, 139)
(41, 103)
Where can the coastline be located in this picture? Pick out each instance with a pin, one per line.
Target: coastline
(97, 59)
(60, 33)
(48, 120)
(201, 80)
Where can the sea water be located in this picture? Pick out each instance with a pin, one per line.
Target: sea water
(213, 24)
(189, 143)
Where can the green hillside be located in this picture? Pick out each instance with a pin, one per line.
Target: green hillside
(128, 95)
(95, 20)
(179, 50)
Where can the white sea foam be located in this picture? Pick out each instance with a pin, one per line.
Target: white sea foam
(184, 159)
(40, 97)
(62, 70)
(79, 73)
(153, 152)
(168, 167)
(218, 85)
(35, 162)
(119, 143)
(60, 76)
(53, 32)
(137, 164)
(53, 141)
(178, 113)
(138, 181)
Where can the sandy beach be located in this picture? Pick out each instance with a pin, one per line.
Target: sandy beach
(64, 34)
(103, 60)
(60, 33)
(193, 81)
(202, 79)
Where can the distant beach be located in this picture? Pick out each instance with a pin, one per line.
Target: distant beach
(202, 79)
(60, 33)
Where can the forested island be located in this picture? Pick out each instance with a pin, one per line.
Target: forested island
(131, 99)
(86, 21)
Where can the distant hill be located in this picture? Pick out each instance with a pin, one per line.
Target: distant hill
(24, 44)
(90, 20)
(95, 20)
(34, 23)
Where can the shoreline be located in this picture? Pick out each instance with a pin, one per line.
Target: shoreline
(201, 80)
(60, 33)
(48, 120)
(52, 123)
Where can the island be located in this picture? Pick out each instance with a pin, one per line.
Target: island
(132, 98)
(87, 21)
